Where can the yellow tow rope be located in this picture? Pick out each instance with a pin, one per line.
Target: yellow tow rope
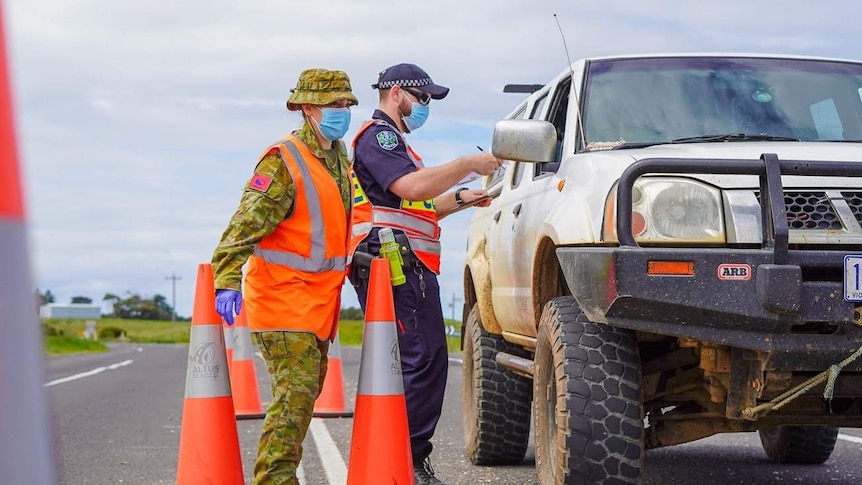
(829, 375)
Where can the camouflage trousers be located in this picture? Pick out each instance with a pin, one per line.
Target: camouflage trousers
(297, 364)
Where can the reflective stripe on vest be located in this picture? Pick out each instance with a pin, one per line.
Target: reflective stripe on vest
(399, 219)
(318, 262)
(424, 245)
(362, 229)
(420, 233)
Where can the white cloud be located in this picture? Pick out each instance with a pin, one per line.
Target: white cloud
(139, 122)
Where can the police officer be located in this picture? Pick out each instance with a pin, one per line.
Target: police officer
(291, 226)
(394, 189)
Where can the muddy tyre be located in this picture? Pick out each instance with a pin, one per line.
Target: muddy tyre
(805, 445)
(495, 401)
(587, 400)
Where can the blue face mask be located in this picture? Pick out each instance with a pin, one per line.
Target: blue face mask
(334, 123)
(417, 118)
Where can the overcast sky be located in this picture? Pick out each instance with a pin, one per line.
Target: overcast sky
(139, 122)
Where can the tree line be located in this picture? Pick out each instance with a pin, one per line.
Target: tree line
(135, 306)
(132, 306)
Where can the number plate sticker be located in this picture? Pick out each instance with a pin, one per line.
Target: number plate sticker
(853, 277)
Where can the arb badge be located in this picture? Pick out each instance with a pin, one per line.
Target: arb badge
(734, 272)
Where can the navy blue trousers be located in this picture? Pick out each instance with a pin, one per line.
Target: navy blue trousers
(424, 357)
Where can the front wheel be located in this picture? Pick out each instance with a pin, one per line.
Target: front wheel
(495, 401)
(804, 445)
(587, 400)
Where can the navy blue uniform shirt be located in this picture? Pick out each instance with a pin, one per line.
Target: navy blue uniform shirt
(379, 158)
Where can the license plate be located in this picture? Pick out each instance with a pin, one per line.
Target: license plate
(853, 277)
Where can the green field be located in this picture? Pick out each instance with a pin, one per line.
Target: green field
(64, 336)
(55, 345)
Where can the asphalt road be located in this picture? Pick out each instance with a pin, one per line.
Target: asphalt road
(117, 421)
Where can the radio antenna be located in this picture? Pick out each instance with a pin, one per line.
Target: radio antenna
(572, 85)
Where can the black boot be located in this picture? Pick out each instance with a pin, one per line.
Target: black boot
(424, 474)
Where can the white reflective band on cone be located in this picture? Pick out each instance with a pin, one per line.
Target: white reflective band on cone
(229, 337)
(334, 351)
(383, 378)
(26, 455)
(242, 344)
(207, 374)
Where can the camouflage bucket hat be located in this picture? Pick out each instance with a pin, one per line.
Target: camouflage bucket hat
(320, 86)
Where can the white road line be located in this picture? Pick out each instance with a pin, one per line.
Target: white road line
(852, 439)
(333, 463)
(456, 360)
(93, 372)
(300, 474)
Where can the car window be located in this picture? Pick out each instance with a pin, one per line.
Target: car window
(538, 108)
(557, 117)
(517, 173)
(826, 120)
(659, 100)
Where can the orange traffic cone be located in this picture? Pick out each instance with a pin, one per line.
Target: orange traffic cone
(209, 442)
(26, 454)
(243, 377)
(330, 402)
(380, 447)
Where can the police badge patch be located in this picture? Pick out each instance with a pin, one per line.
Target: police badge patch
(387, 140)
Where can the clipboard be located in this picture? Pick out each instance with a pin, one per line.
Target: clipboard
(466, 205)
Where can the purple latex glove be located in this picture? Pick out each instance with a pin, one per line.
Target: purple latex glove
(228, 303)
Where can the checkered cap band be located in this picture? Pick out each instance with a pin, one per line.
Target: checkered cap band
(406, 83)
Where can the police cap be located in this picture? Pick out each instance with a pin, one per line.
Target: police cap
(409, 76)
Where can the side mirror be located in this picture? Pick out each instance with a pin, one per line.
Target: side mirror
(524, 141)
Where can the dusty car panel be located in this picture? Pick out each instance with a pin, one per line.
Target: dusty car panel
(683, 266)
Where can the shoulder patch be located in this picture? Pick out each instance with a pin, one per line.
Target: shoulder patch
(387, 140)
(260, 182)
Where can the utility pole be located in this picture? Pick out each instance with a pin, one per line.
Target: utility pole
(173, 277)
(452, 305)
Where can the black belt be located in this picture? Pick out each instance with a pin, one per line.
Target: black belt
(360, 267)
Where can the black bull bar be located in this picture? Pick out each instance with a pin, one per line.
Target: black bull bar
(770, 312)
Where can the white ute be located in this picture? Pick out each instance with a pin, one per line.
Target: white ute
(674, 252)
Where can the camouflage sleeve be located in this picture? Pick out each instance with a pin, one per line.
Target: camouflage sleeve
(266, 200)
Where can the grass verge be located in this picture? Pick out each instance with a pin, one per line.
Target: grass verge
(57, 345)
(63, 336)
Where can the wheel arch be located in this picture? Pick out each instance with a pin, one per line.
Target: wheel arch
(548, 281)
(477, 286)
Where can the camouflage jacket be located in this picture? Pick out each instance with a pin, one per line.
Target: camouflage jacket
(260, 212)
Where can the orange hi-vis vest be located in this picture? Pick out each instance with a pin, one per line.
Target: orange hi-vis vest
(418, 219)
(294, 278)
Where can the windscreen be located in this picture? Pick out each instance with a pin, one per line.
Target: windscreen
(661, 100)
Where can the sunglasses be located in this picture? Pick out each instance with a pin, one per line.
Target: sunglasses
(423, 98)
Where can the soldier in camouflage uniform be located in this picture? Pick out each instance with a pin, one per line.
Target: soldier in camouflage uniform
(293, 336)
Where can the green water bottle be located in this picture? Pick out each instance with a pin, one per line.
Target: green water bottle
(389, 250)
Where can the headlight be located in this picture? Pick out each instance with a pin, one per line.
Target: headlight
(670, 210)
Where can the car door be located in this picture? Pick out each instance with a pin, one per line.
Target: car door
(534, 197)
(505, 264)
